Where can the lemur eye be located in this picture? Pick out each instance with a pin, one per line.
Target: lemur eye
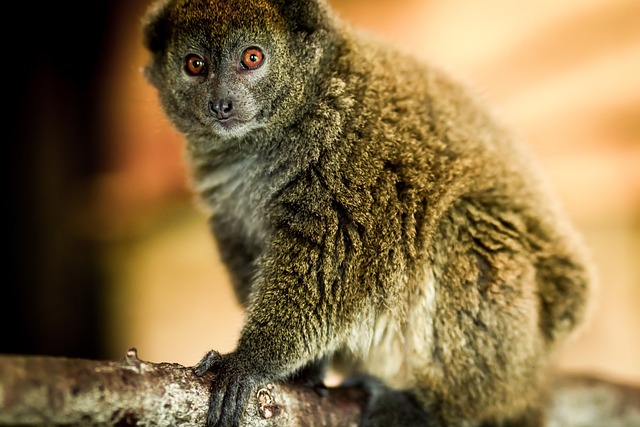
(195, 65)
(252, 58)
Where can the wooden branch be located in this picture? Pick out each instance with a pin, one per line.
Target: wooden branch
(60, 391)
(589, 401)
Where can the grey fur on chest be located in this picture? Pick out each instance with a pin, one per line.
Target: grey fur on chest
(236, 192)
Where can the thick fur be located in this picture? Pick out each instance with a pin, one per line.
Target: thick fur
(372, 213)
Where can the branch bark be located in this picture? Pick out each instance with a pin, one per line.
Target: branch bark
(39, 390)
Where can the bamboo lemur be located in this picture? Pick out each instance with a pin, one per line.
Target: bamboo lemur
(372, 213)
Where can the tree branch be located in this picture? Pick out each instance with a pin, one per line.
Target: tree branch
(61, 391)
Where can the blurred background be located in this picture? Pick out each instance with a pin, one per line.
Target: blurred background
(107, 249)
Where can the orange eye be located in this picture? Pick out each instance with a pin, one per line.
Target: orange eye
(195, 65)
(252, 58)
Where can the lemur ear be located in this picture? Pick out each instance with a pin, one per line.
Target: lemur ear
(156, 33)
(304, 15)
(155, 26)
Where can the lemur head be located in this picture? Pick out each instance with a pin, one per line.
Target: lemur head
(225, 68)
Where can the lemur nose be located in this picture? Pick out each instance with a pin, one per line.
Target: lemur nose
(223, 109)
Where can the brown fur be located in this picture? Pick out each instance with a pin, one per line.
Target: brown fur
(372, 212)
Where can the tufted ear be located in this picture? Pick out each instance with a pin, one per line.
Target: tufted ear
(156, 33)
(305, 15)
(155, 26)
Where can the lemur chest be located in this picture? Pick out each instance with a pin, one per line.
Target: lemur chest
(236, 194)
